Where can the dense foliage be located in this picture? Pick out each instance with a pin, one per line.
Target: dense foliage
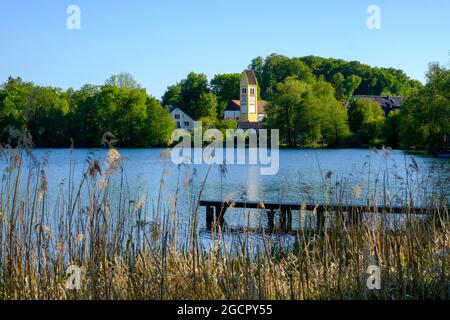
(54, 118)
(348, 78)
(308, 114)
(311, 100)
(425, 118)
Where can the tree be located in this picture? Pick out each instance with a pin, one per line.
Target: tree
(226, 87)
(129, 118)
(288, 97)
(193, 96)
(374, 81)
(52, 117)
(45, 111)
(333, 114)
(391, 129)
(134, 119)
(345, 87)
(172, 96)
(307, 114)
(278, 68)
(122, 80)
(13, 101)
(366, 119)
(425, 116)
(206, 106)
(159, 123)
(257, 66)
(84, 129)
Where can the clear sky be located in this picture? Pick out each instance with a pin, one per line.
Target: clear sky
(161, 41)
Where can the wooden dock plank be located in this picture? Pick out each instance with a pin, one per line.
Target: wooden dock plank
(216, 209)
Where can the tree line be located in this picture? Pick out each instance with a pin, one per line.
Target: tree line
(56, 118)
(311, 100)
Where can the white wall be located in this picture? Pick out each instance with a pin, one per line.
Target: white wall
(184, 120)
(232, 115)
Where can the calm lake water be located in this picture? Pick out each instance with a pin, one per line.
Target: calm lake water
(318, 176)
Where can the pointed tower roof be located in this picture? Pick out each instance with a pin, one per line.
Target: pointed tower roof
(251, 77)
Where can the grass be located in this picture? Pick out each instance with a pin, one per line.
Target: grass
(131, 250)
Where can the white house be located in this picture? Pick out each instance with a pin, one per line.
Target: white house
(181, 118)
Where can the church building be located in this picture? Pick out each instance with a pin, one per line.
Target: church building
(248, 111)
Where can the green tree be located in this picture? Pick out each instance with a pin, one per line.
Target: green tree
(45, 111)
(84, 129)
(172, 96)
(307, 114)
(159, 124)
(345, 87)
(333, 114)
(193, 96)
(366, 119)
(122, 80)
(391, 129)
(425, 115)
(13, 101)
(278, 68)
(282, 110)
(226, 87)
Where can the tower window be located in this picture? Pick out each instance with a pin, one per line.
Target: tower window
(244, 90)
(252, 91)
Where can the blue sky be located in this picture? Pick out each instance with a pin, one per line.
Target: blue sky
(159, 42)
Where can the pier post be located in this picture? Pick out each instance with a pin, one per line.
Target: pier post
(209, 217)
(289, 220)
(270, 218)
(220, 213)
(320, 219)
(284, 219)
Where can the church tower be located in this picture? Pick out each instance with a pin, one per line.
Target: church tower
(249, 97)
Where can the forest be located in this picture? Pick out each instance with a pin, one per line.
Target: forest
(311, 100)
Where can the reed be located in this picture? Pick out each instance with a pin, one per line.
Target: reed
(132, 249)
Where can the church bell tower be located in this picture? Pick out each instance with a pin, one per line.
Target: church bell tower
(249, 97)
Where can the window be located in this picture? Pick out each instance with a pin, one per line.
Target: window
(244, 90)
(186, 123)
(252, 91)
(178, 125)
(177, 116)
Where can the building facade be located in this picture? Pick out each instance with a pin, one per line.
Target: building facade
(181, 118)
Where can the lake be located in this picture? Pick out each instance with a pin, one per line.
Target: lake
(344, 176)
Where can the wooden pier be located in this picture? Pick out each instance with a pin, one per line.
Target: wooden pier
(216, 210)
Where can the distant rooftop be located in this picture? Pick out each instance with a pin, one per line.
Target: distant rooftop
(251, 77)
(388, 103)
(235, 105)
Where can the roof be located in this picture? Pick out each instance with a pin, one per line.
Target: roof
(251, 77)
(388, 103)
(235, 105)
(173, 108)
(262, 104)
